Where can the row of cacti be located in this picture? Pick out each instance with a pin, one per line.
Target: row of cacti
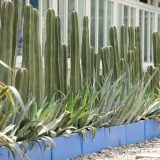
(43, 75)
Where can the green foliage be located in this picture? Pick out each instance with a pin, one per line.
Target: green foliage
(57, 102)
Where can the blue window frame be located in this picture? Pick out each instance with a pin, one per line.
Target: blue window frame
(34, 3)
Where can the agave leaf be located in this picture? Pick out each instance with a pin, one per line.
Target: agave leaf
(6, 66)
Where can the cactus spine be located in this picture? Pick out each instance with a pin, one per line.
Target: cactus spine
(75, 78)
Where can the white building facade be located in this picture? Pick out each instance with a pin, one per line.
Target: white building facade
(102, 15)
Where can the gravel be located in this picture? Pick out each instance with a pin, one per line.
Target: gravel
(148, 150)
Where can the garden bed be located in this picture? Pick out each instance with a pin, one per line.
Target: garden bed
(74, 145)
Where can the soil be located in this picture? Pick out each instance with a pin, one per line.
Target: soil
(148, 150)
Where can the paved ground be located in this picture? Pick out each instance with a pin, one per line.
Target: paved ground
(149, 150)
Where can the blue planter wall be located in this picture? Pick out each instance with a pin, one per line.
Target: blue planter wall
(74, 145)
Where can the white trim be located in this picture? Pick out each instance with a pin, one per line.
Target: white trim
(105, 24)
(96, 25)
(141, 5)
(27, 2)
(149, 37)
(40, 23)
(129, 16)
(88, 13)
(54, 4)
(143, 36)
(137, 16)
(65, 21)
(115, 7)
(76, 5)
(156, 22)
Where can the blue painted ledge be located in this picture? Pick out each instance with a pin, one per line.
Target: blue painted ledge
(74, 145)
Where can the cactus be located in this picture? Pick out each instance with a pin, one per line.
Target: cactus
(122, 65)
(27, 59)
(75, 78)
(131, 36)
(156, 49)
(85, 52)
(56, 54)
(138, 52)
(15, 33)
(124, 42)
(37, 65)
(114, 44)
(6, 45)
(22, 81)
(155, 81)
(103, 54)
(131, 64)
(49, 53)
(97, 66)
(92, 72)
(63, 67)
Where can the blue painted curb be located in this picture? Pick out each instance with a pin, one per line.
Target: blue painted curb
(94, 144)
(73, 146)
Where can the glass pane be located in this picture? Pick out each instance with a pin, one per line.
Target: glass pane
(126, 22)
(120, 15)
(133, 17)
(71, 7)
(101, 23)
(159, 23)
(92, 23)
(109, 18)
(81, 14)
(61, 14)
(151, 32)
(45, 6)
(146, 20)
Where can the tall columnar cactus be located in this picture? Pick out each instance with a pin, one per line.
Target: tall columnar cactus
(56, 53)
(15, 33)
(37, 65)
(114, 44)
(138, 52)
(6, 43)
(153, 84)
(97, 66)
(49, 53)
(27, 60)
(156, 49)
(63, 69)
(131, 41)
(85, 52)
(110, 59)
(92, 72)
(103, 54)
(22, 81)
(123, 42)
(75, 78)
